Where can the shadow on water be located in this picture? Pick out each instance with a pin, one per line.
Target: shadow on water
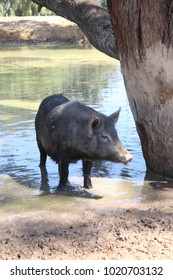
(158, 182)
(153, 187)
(70, 190)
(18, 196)
(157, 188)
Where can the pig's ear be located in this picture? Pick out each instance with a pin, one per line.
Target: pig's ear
(94, 122)
(115, 116)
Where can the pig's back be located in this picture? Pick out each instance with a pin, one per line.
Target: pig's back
(50, 102)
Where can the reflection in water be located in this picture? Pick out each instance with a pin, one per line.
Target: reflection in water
(158, 182)
(44, 187)
(158, 187)
(27, 75)
(100, 169)
(70, 190)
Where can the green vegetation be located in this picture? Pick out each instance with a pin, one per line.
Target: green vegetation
(103, 3)
(21, 8)
(26, 8)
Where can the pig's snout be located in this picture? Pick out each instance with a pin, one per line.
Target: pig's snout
(127, 158)
(124, 156)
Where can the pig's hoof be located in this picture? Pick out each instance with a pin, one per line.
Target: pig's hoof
(89, 186)
(61, 187)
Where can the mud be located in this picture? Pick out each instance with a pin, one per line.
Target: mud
(134, 232)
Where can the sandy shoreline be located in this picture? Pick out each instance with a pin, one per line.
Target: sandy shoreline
(34, 30)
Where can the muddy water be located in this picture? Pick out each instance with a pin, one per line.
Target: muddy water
(27, 75)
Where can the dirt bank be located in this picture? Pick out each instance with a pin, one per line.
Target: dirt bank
(133, 233)
(33, 30)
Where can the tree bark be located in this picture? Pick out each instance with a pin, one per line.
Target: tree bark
(144, 32)
(92, 19)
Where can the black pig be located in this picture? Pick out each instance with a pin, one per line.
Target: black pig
(68, 131)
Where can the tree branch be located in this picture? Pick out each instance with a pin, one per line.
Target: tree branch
(92, 19)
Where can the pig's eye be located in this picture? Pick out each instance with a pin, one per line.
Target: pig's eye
(105, 138)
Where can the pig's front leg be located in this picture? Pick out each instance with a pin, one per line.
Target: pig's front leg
(63, 173)
(87, 165)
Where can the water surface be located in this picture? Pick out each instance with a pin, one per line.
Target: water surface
(27, 75)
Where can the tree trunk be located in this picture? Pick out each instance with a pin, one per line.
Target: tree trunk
(92, 19)
(144, 33)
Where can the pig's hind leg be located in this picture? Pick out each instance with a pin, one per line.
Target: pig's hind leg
(43, 154)
(87, 165)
